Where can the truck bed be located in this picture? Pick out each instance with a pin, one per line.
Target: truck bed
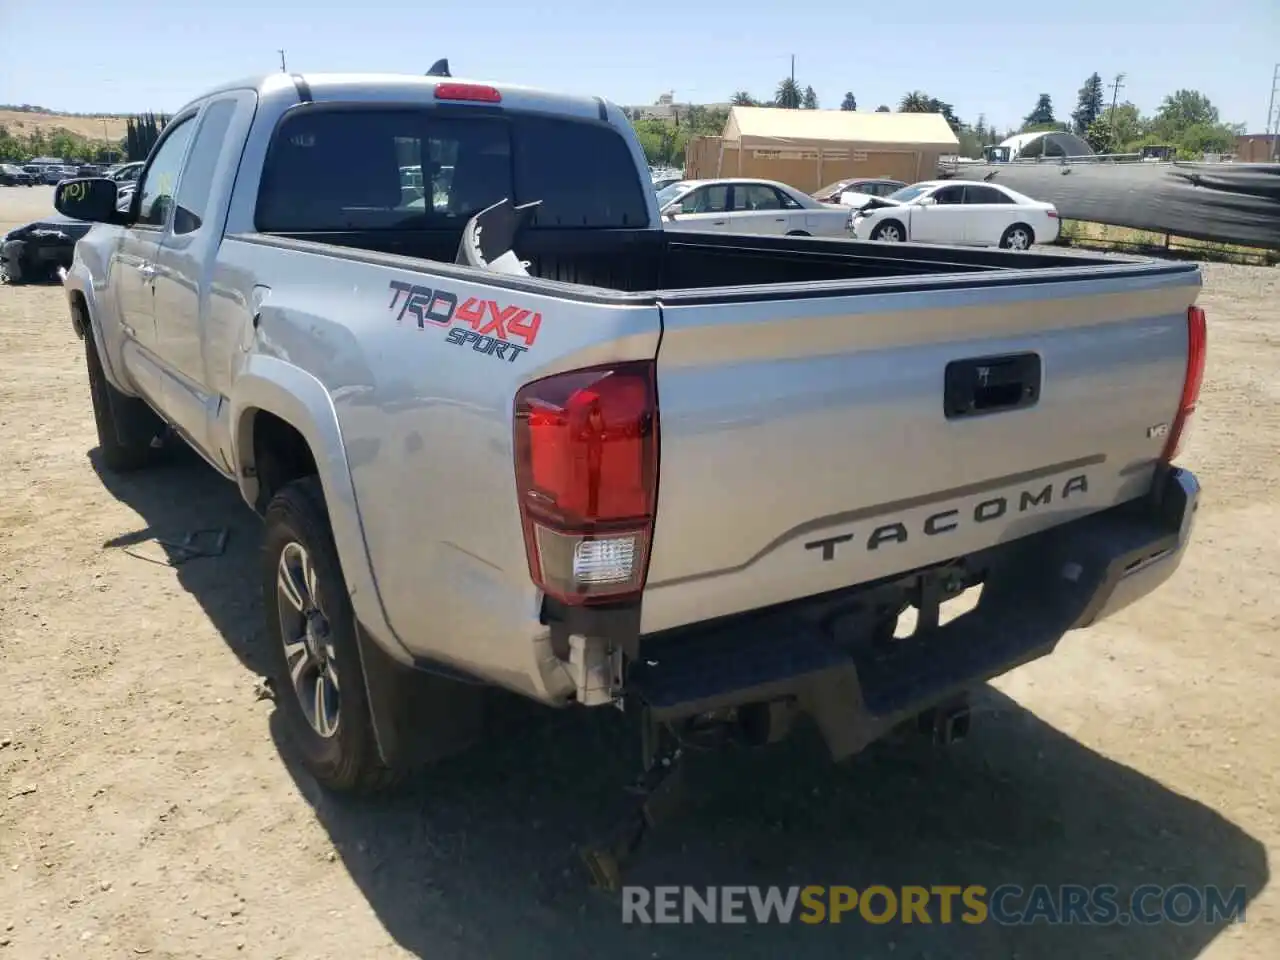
(638, 261)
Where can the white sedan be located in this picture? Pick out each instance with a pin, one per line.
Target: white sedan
(748, 206)
(961, 212)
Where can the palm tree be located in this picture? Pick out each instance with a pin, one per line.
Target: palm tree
(916, 102)
(742, 99)
(788, 94)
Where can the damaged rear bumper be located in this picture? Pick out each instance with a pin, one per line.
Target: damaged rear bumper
(1035, 590)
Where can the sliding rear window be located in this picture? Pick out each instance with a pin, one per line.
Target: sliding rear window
(338, 169)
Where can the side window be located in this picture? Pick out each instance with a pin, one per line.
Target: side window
(713, 199)
(202, 162)
(155, 189)
(973, 195)
(755, 196)
(786, 202)
(948, 195)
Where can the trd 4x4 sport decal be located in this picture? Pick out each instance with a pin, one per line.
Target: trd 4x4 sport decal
(493, 328)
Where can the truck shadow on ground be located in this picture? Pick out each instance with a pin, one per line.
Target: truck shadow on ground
(471, 858)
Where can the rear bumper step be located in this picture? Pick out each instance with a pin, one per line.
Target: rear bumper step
(1035, 590)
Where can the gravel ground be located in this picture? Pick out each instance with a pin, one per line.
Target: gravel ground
(149, 807)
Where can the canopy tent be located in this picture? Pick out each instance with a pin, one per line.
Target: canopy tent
(809, 148)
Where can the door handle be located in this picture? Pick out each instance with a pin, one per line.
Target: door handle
(779, 219)
(718, 223)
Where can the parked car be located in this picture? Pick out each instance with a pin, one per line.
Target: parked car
(748, 206)
(959, 212)
(125, 172)
(599, 462)
(855, 192)
(14, 176)
(35, 251)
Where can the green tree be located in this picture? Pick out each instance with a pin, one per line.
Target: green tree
(1042, 115)
(1127, 127)
(788, 95)
(883, 109)
(1089, 105)
(810, 101)
(1100, 137)
(915, 102)
(919, 102)
(742, 99)
(1186, 108)
(850, 102)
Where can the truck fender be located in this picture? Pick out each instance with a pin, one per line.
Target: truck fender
(274, 386)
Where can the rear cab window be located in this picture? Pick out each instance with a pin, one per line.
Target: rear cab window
(339, 168)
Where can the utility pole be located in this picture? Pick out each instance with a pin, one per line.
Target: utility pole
(1273, 117)
(282, 66)
(793, 68)
(1115, 92)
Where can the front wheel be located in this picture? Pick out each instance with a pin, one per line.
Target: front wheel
(891, 231)
(1018, 237)
(316, 669)
(127, 427)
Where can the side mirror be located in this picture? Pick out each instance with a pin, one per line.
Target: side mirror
(673, 211)
(926, 202)
(90, 198)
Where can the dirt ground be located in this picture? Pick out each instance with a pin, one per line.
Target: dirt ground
(149, 806)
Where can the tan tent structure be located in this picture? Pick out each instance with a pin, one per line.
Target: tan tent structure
(809, 149)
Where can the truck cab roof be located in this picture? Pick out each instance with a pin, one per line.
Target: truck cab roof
(405, 88)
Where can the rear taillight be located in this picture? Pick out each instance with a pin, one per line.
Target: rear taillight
(1197, 340)
(586, 447)
(1053, 214)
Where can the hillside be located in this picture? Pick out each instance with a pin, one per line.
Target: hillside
(22, 124)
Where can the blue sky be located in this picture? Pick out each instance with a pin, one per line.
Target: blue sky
(983, 56)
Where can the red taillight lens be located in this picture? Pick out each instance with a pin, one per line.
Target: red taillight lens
(1053, 214)
(475, 92)
(1197, 342)
(586, 446)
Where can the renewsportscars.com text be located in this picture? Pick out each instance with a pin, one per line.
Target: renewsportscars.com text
(1008, 904)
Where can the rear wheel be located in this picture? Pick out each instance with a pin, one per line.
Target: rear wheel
(316, 669)
(891, 231)
(797, 233)
(126, 425)
(1018, 237)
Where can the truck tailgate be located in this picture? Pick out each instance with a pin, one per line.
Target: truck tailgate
(811, 440)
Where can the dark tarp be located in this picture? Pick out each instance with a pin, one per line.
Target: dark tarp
(1223, 202)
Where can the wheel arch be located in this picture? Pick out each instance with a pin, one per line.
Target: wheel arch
(284, 426)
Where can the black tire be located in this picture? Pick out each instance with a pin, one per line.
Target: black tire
(126, 425)
(347, 759)
(798, 233)
(1019, 236)
(11, 256)
(879, 233)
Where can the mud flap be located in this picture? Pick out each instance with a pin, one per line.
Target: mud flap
(419, 716)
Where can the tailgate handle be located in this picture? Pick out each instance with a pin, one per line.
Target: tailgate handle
(985, 385)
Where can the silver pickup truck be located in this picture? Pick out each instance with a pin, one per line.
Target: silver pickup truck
(704, 478)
